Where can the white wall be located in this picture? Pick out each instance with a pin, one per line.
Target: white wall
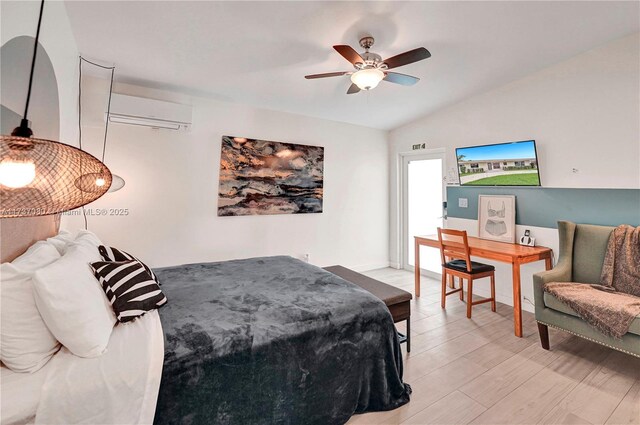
(172, 186)
(21, 18)
(584, 113)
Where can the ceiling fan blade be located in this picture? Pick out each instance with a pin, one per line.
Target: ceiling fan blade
(406, 58)
(405, 80)
(353, 89)
(328, 74)
(349, 54)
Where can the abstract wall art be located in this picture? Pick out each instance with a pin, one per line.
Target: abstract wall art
(261, 177)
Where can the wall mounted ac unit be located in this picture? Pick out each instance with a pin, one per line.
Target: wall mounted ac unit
(151, 113)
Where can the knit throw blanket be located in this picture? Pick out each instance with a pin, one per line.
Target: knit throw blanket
(612, 306)
(621, 268)
(608, 311)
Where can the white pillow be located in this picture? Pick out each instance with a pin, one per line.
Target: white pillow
(26, 344)
(61, 241)
(85, 236)
(71, 301)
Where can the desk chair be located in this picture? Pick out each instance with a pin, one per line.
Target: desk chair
(455, 248)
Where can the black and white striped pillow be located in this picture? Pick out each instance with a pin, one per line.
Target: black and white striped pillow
(110, 253)
(129, 287)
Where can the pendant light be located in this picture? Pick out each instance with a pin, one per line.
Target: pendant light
(41, 177)
(117, 182)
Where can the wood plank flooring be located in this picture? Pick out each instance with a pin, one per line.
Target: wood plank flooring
(475, 371)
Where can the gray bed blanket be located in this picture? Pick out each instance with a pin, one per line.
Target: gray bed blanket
(273, 340)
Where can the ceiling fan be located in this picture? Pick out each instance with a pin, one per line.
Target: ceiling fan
(371, 69)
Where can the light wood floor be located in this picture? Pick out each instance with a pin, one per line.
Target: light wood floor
(476, 371)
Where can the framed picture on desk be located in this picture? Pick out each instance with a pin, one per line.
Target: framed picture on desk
(497, 217)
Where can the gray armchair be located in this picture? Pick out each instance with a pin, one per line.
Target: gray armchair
(582, 251)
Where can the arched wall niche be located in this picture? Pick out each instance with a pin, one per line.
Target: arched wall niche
(44, 108)
(44, 113)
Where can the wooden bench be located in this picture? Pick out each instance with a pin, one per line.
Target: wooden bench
(396, 299)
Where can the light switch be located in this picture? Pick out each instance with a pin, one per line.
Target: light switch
(463, 202)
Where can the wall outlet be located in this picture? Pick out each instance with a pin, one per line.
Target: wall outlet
(463, 202)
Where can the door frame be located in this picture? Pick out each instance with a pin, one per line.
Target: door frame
(402, 214)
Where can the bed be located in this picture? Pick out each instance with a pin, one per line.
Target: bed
(119, 387)
(274, 340)
(255, 341)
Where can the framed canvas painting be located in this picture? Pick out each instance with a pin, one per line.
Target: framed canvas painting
(261, 177)
(497, 217)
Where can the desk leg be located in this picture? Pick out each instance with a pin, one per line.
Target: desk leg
(517, 308)
(548, 265)
(417, 268)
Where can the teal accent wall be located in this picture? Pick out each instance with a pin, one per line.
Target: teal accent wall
(543, 207)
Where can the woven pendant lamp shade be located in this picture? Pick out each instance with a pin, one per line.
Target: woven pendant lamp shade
(117, 183)
(65, 177)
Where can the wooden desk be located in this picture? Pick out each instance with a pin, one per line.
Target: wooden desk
(499, 251)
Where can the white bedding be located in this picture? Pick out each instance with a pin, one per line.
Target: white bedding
(119, 387)
(20, 395)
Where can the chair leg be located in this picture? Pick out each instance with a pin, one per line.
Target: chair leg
(543, 330)
(469, 297)
(444, 289)
(493, 293)
(461, 289)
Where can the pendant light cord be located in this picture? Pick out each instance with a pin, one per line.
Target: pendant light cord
(84, 212)
(106, 125)
(80, 102)
(33, 62)
(23, 130)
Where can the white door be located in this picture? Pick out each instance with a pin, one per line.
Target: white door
(423, 181)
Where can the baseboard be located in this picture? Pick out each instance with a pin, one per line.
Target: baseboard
(502, 298)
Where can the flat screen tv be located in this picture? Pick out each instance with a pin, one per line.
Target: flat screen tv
(502, 164)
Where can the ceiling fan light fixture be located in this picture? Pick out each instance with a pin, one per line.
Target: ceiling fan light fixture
(367, 79)
(371, 68)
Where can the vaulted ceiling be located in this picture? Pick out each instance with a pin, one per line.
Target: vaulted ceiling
(257, 53)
